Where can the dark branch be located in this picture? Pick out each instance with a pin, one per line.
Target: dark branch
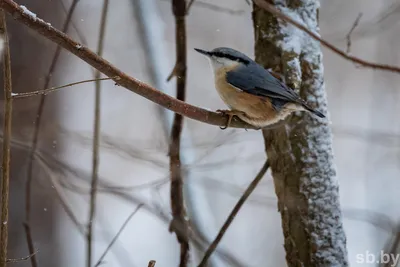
(5, 184)
(109, 70)
(233, 213)
(179, 72)
(100, 261)
(348, 36)
(273, 10)
(37, 123)
(96, 140)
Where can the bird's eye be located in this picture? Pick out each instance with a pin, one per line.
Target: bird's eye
(220, 60)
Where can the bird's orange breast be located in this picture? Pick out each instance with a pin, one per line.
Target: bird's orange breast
(255, 107)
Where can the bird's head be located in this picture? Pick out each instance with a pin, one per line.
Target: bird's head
(225, 57)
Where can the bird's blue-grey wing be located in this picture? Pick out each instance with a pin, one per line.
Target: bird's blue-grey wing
(258, 81)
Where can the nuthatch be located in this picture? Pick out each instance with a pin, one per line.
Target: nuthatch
(251, 92)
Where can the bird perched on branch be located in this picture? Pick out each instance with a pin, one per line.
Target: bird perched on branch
(251, 92)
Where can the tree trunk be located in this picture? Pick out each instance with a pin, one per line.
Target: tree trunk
(300, 152)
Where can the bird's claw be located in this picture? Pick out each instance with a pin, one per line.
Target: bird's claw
(230, 114)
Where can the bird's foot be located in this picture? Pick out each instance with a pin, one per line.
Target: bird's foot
(230, 114)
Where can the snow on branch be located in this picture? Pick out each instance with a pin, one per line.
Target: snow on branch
(196, 113)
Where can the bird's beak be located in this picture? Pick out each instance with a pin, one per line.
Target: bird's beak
(206, 53)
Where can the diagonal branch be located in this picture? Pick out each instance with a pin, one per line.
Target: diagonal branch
(100, 260)
(233, 214)
(273, 10)
(109, 70)
(35, 139)
(5, 184)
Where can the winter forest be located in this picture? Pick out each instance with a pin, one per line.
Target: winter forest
(131, 133)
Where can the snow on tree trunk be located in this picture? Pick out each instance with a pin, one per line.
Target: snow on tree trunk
(300, 152)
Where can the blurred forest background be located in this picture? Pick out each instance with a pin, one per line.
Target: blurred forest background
(217, 165)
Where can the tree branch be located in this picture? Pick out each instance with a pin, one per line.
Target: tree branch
(96, 140)
(5, 185)
(273, 10)
(109, 70)
(100, 261)
(21, 259)
(353, 27)
(56, 88)
(37, 123)
(176, 192)
(233, 213)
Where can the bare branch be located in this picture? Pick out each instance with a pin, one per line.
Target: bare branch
(176, 193)
(189, 5)
(117, 235)
(37, 123)
(96, 140)
(348, 36)
(80, 35)
(273, 10)
(109, 70)
(56, 88)
(233, 213)
(5, 184)
(21, 259)
(59, 194)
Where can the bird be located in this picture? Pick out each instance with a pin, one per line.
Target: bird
(251, 92)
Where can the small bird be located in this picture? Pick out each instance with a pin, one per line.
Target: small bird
(251, 92)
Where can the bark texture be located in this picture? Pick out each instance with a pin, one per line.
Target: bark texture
(300, 152)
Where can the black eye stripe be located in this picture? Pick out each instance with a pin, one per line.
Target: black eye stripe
(230, 57)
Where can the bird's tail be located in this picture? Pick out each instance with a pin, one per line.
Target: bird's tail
(316, 112)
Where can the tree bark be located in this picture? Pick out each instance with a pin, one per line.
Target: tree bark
(300, 152)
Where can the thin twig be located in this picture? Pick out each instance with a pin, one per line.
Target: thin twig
(21, 259)
(56, 88)
(117, 235)
(233, 213)
(80, 35)
(348, 36)
(109, 70)
(189, 6)
(37, 123)
(179, 71)
(273, 10)
(96, 140)
(59, 193)
(60, 173)
(5, 185)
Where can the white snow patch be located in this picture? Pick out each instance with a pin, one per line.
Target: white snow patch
(27, 12)
(318, 183)
(295, 68)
